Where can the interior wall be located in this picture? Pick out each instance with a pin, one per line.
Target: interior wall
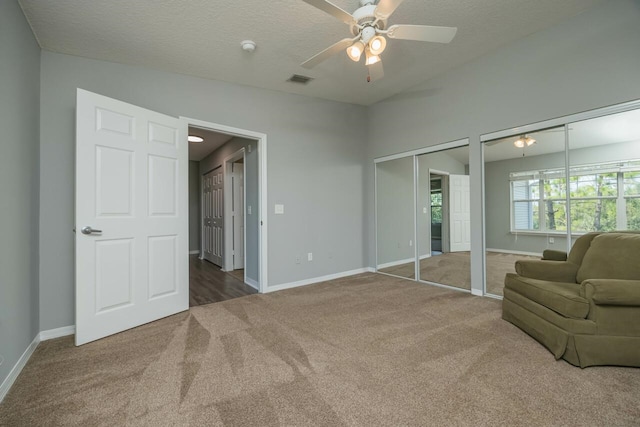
(315, 166)
(498, 222)
(215, 160)
(194, 206)
(586, 62)
(19, 166)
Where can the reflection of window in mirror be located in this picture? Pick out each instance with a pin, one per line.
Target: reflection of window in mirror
(604, 173)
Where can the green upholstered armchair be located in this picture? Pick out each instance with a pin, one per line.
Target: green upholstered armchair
(584, 306)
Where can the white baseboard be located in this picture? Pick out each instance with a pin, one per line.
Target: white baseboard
(57, 333)
(252, 283)
(504, 251)
(196, 252)
(425, 256)
(318, 279)
(17, 368)
(394, 263)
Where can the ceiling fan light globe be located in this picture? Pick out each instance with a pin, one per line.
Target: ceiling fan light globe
(377, 45)
(354, 52)
(529, 141)
(519, 143)
(372, 59)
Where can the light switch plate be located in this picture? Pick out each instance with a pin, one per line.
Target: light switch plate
(279, 209)
(249, 210)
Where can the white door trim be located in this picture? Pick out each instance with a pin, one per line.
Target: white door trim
(227, 262)
(261, 138)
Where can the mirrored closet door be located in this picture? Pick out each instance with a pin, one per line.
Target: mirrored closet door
(525, 200)
(395, 217)
(443, 217)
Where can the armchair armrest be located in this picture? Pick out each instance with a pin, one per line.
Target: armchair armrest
(611, 291)
(555, 271)
(553, 255)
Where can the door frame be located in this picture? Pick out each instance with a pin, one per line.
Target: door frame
(444, 230)
(227, 260)
(261, 139)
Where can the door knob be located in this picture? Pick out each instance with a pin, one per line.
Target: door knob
(88, 230)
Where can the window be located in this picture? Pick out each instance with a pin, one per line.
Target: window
(436, 201)
(603, 197)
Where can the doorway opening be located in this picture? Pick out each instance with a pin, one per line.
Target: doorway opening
(439, 213)
(226, 182)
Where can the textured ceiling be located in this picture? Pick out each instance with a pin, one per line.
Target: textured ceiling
(202, 38)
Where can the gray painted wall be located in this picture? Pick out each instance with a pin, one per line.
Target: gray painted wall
(587, 62)
(395, 210)
(19, 166)
(215, 160)
(315, 166)
(194, 206)
(497, 198)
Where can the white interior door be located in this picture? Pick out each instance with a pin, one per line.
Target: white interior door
(131, 216)
(214, 217)
(207, 215)
(459, 213)
(238, 215)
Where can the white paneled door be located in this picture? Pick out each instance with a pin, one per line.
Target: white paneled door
(213, 218)
(459, 213)
(131, 216)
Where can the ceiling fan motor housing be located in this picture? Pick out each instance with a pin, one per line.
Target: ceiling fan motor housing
(366, 15)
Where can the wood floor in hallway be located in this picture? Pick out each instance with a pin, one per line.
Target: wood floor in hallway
(208, 284)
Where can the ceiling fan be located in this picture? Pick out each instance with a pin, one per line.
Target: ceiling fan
(369, 27)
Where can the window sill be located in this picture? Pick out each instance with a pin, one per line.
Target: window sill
(546, 233)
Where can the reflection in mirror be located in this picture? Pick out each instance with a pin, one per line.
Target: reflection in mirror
(604, 173)
(525, 200)
(443, 217)
(395, 218)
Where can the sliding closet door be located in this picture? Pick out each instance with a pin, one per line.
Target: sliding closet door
(525, 190)
(443, 217)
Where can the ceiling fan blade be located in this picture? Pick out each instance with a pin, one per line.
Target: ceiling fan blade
(376, 71)
(332, 10)
(386, 7)
(423, 33)
(331, 50)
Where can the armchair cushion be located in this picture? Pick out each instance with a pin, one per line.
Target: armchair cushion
(562, 297)
(611, 256)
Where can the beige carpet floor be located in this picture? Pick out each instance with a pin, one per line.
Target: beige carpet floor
(454, 269)
(369, 350)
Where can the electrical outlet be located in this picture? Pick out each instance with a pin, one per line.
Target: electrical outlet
(552, 240)
(249, 209)
(410, 243)
(310, 256)
(297, 259)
